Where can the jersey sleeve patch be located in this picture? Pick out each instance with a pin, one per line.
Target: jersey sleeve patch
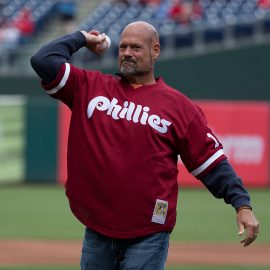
(60, 80)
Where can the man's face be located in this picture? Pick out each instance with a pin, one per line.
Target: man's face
(135, 56)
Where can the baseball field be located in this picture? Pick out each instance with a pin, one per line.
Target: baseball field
(37, 231)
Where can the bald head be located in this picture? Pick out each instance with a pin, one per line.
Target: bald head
(143, 29)
(138, 50)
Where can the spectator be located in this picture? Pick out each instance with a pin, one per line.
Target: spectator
(9, 40)
(128, 2)
(1, 5)
(265, 4)
(67, 10)
(150, 2)
(142, 2)
(183, 11)
(25, 24)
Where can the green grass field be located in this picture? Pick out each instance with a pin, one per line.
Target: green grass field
(30, 211)
(42, 212)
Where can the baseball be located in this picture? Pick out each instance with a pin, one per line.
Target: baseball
(105, 45)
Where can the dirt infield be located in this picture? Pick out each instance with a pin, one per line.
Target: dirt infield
(34, 252)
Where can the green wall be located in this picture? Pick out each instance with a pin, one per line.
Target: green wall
(21, 85)
(234, 74)
(230, 74)
(41, 140)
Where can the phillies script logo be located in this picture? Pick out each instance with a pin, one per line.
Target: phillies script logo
(128, 111)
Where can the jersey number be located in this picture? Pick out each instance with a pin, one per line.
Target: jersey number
(214, 139)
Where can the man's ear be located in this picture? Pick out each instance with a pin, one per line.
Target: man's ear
(156, 51)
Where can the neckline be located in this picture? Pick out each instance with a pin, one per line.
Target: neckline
(129, 86)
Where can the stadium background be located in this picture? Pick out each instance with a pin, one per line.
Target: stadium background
(219, 59)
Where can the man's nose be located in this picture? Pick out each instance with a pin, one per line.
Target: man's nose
(127, 52)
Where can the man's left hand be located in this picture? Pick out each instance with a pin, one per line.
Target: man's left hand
(247, 220)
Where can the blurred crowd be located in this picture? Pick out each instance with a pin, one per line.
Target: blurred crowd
(16, 30)
(265, 4)
(184, 11)
(181, 11)
(21, 27)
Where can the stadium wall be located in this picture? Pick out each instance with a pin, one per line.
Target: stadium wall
(41, 140)
(233, 74)
(236, 74)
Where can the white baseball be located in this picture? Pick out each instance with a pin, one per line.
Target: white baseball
(105, 45)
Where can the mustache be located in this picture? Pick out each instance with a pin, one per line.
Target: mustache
(127, 60)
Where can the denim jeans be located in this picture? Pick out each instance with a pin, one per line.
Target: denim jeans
(145, 253)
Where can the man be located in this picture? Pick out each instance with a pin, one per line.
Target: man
(125, 135)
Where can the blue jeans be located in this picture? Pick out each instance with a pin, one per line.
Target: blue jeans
(145, 253)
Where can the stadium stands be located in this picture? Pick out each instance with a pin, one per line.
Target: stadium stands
(28, 17)
(40, 10)
(220, 20)
(217, 21)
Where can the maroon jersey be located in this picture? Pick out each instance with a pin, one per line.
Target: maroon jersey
(123, 150)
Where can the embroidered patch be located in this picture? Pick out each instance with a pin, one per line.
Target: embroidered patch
(160, 212)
